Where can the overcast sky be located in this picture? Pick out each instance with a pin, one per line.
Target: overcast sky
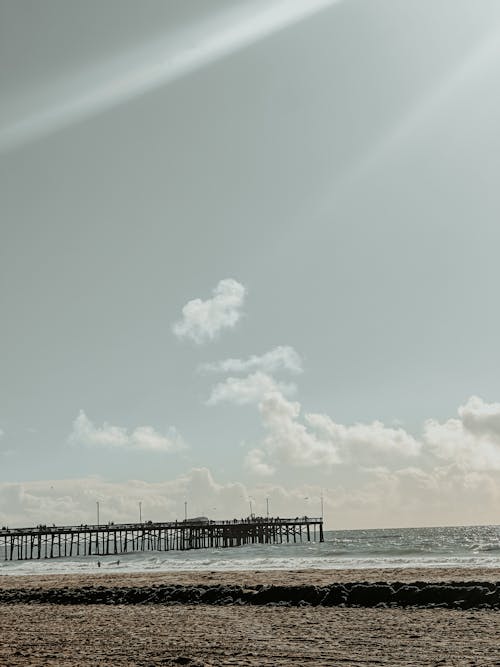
(249, 250)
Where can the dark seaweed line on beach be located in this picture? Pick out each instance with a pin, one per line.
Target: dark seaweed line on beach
(450, 595)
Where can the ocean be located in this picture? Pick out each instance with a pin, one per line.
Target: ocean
(465, 546)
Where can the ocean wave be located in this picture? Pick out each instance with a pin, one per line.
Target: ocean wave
(486, 547)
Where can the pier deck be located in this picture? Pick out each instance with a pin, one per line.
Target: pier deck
(113, 539)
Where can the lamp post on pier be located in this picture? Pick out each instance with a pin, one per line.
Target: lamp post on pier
(97, 505)
(140, 511)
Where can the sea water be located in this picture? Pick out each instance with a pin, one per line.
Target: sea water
(466, 546)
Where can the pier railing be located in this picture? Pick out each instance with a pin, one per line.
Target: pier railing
(44, 541)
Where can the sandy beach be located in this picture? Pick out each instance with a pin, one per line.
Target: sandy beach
(158, 634)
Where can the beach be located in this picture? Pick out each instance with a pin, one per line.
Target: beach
(232, 634)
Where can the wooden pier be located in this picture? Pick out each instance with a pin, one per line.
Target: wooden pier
(114, 539)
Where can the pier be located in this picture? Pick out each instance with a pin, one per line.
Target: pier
(114, 539)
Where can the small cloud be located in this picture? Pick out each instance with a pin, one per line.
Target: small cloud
(254, 461)
(143, 438)
(283, 357)
(203, 320)
(250, 389)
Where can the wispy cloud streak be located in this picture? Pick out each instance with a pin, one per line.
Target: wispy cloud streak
(283, 357)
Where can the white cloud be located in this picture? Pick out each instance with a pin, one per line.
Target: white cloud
(143, 438)
(250, 389)
(203, 320)
(362, 442)
(481, 418)
(287, 440)
(319, 441)
(283, 357)
(472, 440)
(255, 462)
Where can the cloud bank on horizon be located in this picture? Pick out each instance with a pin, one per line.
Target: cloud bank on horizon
(380, 497)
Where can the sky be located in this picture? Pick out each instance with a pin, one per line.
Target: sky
(249, 253)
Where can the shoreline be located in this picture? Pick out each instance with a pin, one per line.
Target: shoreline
(315, 577)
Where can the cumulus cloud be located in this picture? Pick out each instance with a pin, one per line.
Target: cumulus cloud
(250, 389)
(472, 439)
(361, 442)
(203, 320)
(481, 418)
(283, 357)
(143, 438)
(316, 440)
(287, 439)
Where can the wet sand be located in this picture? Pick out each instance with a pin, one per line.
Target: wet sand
(147, 635)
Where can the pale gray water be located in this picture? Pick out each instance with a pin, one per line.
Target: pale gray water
(469, 546)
